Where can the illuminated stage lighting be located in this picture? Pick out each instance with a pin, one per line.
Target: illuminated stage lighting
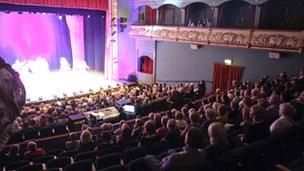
(63, 84)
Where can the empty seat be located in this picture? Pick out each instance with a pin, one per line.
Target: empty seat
(108, 160)
(61, 129)
(84, 165)
(86, 155)
(43, 159)
(59, 162)
(70, 153)
(33, 167)
(31, 134)
(46, 132)
(55, 151)
(16, 138)
(109, 150)
(17, 164)
(134, 153)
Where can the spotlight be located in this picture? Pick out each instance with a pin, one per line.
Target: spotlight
(88, 16)
(44, 13)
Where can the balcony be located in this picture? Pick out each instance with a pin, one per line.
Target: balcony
(271, 40)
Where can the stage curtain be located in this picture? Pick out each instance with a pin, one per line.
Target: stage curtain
(94, 41)
(223, 75)
(150, 16)
(86, 4)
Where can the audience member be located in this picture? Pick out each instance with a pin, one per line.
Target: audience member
(33, 151)
(286, 112)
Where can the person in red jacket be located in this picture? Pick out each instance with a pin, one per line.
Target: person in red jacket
(33, 151)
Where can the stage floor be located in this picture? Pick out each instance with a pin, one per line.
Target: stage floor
(51, 85)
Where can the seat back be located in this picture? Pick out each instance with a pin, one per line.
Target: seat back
(17, 164)
(114, 168)
(84, 165)
(16, 138)
(108, 160)
(61, 129)
(33, 167)
(43, 159)
(134, 153)
(46, 132)
(70, 153)
(109, 150)
(31, 134)
(86, 155)
(55, 152)
(59, 162)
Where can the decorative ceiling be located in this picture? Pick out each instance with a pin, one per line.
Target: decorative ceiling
(182, 3)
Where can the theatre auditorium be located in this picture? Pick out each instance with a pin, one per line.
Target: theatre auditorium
(151, 85)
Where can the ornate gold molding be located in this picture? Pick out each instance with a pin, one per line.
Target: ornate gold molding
(273, 40)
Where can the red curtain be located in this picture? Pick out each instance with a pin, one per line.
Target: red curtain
(150, 16)
(146, 65)
(86, 4)
(223, 75)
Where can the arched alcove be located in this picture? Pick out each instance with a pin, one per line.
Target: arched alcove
(282, 14)
(170, 15)
(236, 14)
(146, 15)
(145, 65)
(198, 14)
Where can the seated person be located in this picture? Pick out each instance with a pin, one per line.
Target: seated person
(173, 136)
(163, 131)
(286, 113)
(106, 141)
(150, 137)
(194, 122)
(86, 142)
(259, 130)
(33, 151)
(181, 123)
(219, 143)
(189, 159)
(125, 138)
(73, 143)
(138, 128)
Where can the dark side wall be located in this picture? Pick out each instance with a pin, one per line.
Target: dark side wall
(176, 61)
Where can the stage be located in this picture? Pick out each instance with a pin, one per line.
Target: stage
(44, 86)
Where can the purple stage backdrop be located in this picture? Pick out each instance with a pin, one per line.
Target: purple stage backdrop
(26, 38)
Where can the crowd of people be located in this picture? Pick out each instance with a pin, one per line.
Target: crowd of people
(41, 115)
(202, 125)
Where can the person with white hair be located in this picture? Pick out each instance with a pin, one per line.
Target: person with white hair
(286, 112)
(219, 143)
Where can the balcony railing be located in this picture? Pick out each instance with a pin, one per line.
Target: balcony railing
(272, 40)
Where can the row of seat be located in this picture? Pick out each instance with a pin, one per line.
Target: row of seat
(41, 133)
